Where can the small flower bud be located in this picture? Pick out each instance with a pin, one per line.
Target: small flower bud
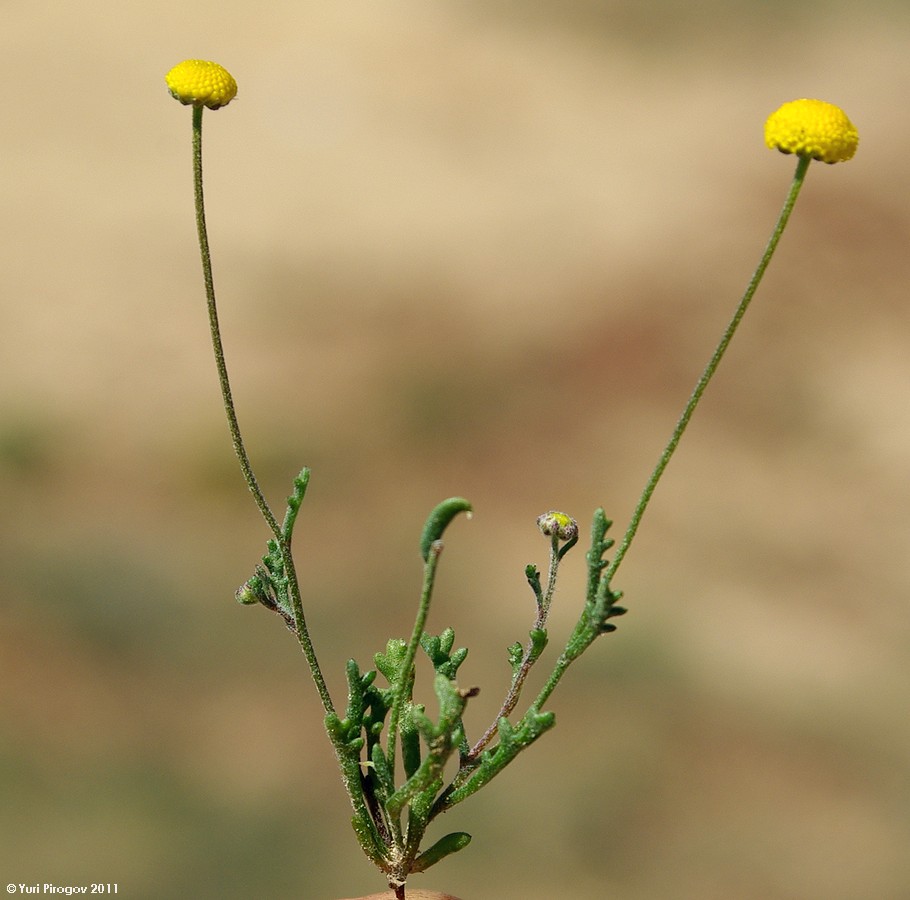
(812, 128)
(252, 591)
(558, 523)
(201, 83)
(246, 594)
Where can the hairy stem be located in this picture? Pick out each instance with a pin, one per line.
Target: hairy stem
(709, 370)
(530, 656)
(402, 687)
(246, 468)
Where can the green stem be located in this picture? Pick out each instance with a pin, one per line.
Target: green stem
(246, 468)
(530, 656)
(562, 664)
(708, 373)
(404, 683)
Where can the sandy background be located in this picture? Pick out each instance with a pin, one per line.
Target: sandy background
(476, 248)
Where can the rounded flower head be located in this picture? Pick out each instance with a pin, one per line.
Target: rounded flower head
(198, 82)
(558, 523)
(812, 128)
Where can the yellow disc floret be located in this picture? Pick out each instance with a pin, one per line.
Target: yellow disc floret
(198, 82)
(812, 128)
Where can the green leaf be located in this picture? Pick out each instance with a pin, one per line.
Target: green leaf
(512, 740)
(441, 740)
(444, 847)
(392, 661)
(438, 649)
(410, 740)
(439, 520)
(516, 655)
(294, 501)
(382, 770)
(369, 840)
(355, 708)
(447, 640)
(532, 573)
(538, 642)
(567, 546)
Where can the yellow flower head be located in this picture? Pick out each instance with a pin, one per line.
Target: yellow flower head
(812, 128)
(201, 83)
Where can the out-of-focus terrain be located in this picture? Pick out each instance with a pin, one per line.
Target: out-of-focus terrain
(476, 248)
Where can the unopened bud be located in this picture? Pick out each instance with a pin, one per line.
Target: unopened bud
(559, 524)
(250, 592)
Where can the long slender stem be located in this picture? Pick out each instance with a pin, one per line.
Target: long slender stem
(530, 656)
(708, 373)
(589, 626)
(224, 381)
(246, 467)
(402, 688)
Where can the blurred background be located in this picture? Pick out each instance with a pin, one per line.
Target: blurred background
(480, 248)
